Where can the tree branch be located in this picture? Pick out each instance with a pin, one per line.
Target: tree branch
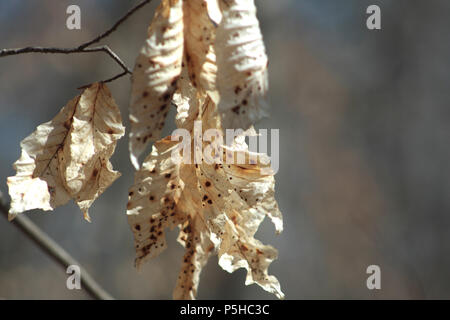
(55, 251)
(85, 47)
(106, 49)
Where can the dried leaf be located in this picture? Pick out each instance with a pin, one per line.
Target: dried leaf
(199, 34)
(246, 197)
(198, 250)
(251, 254)
(155, 75)
(188, 101)
(242, 65)
(194, 236)
(68, 157)
(152, 200)
(218, 208)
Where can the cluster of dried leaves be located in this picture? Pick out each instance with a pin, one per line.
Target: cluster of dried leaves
(207, 58)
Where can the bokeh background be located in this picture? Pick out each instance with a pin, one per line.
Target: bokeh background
(364, 141)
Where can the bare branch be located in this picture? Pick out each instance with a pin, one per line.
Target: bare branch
(105, 81)
(111, 53)
(84, 48)
(115, 77)
(55, 251)
(10, 52)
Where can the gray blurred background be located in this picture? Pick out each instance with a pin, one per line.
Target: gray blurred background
(364, 166)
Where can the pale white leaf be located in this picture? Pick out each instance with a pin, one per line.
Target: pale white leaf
(155, 75)
(242, 79)
(199, 34)
(152, 201)
(217, 206)
(68, 157)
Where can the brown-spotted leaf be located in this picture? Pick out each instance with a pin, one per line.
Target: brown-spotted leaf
(152, 201)
(219, 208)
(68, 157)
(188, 101)
(243, 194)
(254, 182)
(249, 253)
(155, 75)
(196, 239)
(194, 236)
(199, 34)
(242, 65)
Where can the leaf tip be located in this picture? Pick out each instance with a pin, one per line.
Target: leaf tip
(86, 216)
(11, 216)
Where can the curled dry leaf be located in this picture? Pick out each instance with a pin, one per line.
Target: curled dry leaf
(155, 75)
(218, 207)
(152, 201)
(199, 35)
(242, 65)
(199, 247)
(68, 157)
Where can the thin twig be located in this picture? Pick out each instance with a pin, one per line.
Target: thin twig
(56, 252)
(106, 49)
(105, 81)
(84, 47)
(111, 53)
(115, 77)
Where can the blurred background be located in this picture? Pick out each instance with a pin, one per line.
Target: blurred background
(364, 151)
